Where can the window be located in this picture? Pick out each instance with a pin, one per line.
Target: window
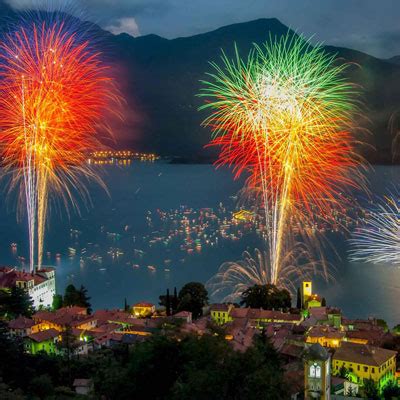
(365, 369)
(315, 371)
(373, 370)
(358, 367)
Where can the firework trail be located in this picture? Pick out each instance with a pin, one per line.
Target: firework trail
(233, 278)
(54, 92)
(378, 241)
(284, 115)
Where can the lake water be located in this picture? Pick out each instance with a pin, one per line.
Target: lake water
(117, 248)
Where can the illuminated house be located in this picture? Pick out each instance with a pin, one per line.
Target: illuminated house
(325, 335)
(74, 317)
(143, 309)
(224, 313)
(40, 285)
(220, 313)
(43, 341)
(317, 376)
(365, 362)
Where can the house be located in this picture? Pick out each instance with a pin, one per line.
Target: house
(143, 309)
(325, 335)
(220, 313)
(43, 341)
(365, 362)
(184, 315)
(40, 285)
(74, 317)
(83, 386)
(21, 326)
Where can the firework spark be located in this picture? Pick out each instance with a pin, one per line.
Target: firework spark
(233, 278)
(378, 241)
(284, 115)
(54, 92)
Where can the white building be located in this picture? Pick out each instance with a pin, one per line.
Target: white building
(40, 285)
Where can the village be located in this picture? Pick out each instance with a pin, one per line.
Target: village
(324, 354)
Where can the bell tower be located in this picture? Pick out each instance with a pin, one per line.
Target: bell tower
(317, 373)
(307, 291)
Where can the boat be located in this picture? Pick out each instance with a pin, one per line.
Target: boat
(151, 267)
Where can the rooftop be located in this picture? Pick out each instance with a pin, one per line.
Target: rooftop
(21, 323)
(363, 354)
(42, 336)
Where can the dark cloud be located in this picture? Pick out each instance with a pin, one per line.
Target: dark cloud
(367, 25)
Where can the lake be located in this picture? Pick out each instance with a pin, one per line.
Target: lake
(155, 230)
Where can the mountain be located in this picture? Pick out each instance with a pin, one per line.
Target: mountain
(395, 60)
(160, 78)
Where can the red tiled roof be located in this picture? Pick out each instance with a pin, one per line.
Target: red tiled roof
(325, 331)
(21, 323)
(42, 336)
(64, 316)
(9, 277)
(183, 314)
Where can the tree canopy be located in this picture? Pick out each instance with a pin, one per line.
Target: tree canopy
(267, 297)
(75, 297)
(15, 302)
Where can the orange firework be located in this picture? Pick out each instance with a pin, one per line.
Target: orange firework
(54, 91)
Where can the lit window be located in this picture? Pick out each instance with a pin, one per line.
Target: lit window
(315, 371)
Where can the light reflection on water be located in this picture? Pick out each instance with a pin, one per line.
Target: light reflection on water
(360, 289)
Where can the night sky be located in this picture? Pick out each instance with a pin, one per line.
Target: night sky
(368, 25)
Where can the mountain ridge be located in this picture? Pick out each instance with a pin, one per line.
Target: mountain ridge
(159, 78)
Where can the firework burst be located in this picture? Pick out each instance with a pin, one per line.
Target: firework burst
(234, 277)
(283, 115)
(378, 241)
(54, 91)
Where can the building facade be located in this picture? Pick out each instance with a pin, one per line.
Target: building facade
(40, 285)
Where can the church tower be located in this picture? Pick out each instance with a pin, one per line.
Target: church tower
(307, 291)
(317, 373)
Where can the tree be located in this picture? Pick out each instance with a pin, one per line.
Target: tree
(71, 296)
(84, 299)
(323, 302)
(165, 301)
(370, 389)
(57, 302)
(343, 372)
(168, 303)
(351, 392)
(174, 302)
(42, 386)
(382, 323)
(15, 302)
(126, 305)
(391, 391)
(193, 297)
(74, 297)
(267, 297)
(67, 347)
(299, 303)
